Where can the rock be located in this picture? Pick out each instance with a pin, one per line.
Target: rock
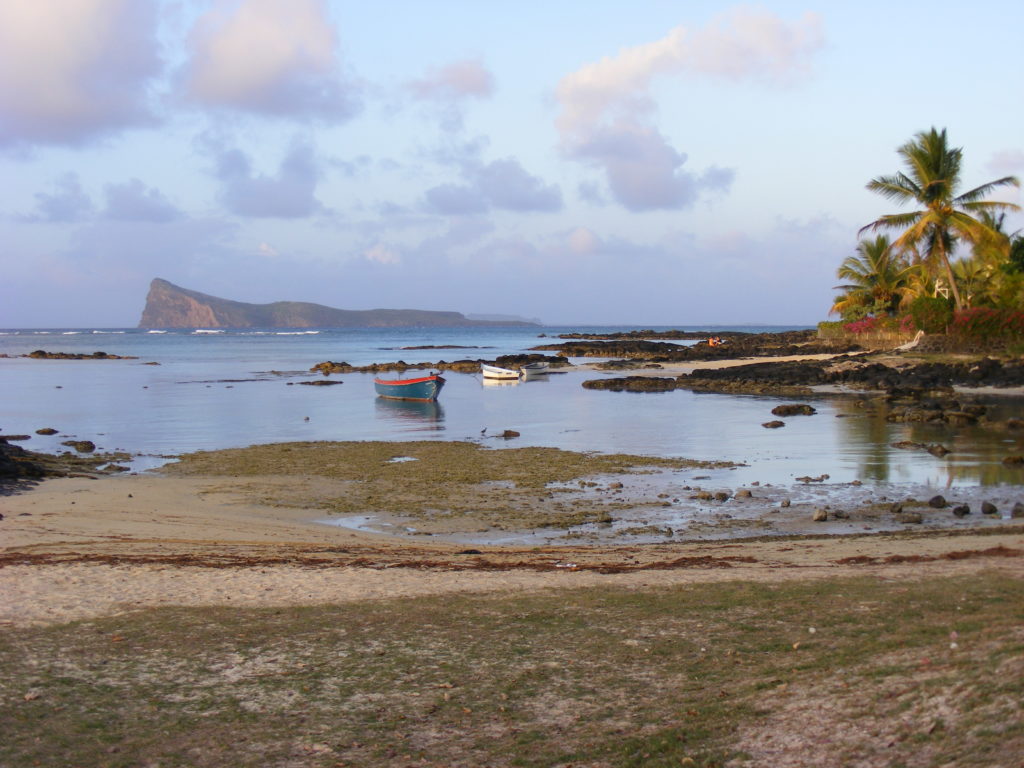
(959, 418)
(1015, 423)
(785, 503)
(17, 438)
(841, 514)
(962, 510)
(82, 446)
(320, 383)
(988, 508)
(615, 486)
(632, 384)
(1013, 461)
(743, 493)
(796, 409)
(508, 434)
(721, 496)
(937, 502)
(46, 431)
(896, 507)
(1017, 511)
(910, 518)
(773, 424)
(938, 450)
(703, 496)
(819, 516)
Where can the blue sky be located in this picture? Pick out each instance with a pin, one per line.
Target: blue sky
(651, 163)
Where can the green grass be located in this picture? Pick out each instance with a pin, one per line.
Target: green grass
(596, 677)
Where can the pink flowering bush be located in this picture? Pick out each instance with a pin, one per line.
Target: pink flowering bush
(983, 323)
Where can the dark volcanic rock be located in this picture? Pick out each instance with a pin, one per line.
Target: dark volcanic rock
(632, 384)
(82, 446)
(795, 409)
(42, 354)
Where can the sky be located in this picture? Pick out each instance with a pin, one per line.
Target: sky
(599, 162)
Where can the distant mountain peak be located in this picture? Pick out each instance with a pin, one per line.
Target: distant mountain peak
(171, 306)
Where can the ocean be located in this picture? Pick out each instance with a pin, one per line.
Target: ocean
(229, 388)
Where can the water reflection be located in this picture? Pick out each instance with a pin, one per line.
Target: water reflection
(412, 415)
(501, 382)
(976, 452)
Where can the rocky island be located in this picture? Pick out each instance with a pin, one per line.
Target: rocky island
(171, 306)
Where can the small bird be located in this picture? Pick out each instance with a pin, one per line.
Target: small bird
(306, 419)
(483, 431)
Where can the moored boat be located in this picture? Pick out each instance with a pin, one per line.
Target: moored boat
(423, 388)
(534, 369)
(494, 372)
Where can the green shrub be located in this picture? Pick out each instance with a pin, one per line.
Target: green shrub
(931, 314)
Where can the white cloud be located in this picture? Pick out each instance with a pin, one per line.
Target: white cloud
(583, 241)
(272, 57)
(73, 70)
(381, 254)
(1007, 161)
(459, 80)
(606, 106)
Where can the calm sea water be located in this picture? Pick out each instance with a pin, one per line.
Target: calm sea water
(234, 388)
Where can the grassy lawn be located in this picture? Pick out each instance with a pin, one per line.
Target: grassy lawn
(854, 672)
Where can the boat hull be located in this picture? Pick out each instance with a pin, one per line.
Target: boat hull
(425, 388)
(494, 372)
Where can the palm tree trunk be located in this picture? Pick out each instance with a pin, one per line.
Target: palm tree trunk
(949, 275)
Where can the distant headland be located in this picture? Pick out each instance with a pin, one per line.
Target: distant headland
(170, 306)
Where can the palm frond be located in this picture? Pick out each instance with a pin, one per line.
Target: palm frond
(977, 193)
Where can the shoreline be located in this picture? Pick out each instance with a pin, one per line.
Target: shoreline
(81, 547)
(77, 549)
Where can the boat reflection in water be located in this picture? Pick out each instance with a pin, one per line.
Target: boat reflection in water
(413, 415)
(500, 382)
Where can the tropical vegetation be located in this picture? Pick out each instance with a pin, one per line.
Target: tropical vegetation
(950, 254)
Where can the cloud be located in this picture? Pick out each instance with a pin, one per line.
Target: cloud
(381, 254)
(75, 70)
(583, 241)
(269, 57)
(288, 195)
(606, 107)
(447, 90)
(1007, 161)
(455, 200)
(133, 201)
(459, 80)
(508, 187)
(69, 203)
(501, 185)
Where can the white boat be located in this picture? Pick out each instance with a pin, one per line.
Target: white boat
(494, 372)
(534, 369)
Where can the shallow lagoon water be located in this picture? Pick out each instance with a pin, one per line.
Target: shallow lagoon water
(220, 390)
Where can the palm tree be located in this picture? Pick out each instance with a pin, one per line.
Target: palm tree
(878, 279)
(932, 181)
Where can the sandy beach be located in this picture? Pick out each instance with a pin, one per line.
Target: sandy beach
(78, 548)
